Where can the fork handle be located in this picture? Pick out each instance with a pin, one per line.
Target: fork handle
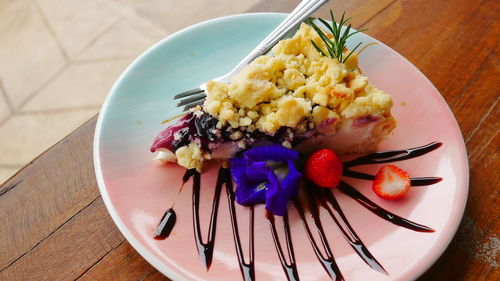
(299, 14)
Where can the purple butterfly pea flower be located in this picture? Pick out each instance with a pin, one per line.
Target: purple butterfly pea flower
(266, 174)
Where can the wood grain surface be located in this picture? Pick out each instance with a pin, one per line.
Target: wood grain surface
(54, 225)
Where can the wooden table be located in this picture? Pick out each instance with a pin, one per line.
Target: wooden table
(54, 226)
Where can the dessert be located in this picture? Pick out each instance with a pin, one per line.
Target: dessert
(295, 96)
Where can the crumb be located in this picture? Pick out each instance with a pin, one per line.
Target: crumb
(198, 113)
(190, 156)
(242, 144)
(236, 135)
(287, 144)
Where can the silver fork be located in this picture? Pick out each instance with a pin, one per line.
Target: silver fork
(193, 97)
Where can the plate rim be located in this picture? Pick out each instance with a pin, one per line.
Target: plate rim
(162, 267)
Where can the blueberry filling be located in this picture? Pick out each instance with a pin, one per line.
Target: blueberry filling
(202, 129)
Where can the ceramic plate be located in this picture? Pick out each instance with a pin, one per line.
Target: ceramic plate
(137, 191)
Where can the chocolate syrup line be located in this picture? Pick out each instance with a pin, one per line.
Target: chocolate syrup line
(166, 225)
(329, 202)
(317, 221)
(205, 250)
(289, 268)
(169, 218)
(414, 181)
(379, 211)
(393, 155)
(247, 269)
(187, 175)
(185, 178)
(328, 263)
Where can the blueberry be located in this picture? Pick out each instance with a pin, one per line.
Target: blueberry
(181, 139)
(206, 126)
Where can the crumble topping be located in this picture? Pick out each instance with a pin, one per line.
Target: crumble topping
(295, 87)
(190, 156)
(294, 96)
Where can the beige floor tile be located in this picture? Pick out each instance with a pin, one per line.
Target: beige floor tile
(6, 173)
(129, 37)
(25, 136)
(29, 55)
(173, 15)
(4, 108)
(77, 23)
(81, 84)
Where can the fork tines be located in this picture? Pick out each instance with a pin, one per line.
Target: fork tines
(188, 93)
(191, 105)
(191, 99)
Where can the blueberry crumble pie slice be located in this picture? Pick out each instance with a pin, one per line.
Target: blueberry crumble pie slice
(296, 96)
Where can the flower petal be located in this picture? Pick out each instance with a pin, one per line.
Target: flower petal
(275, 202)
(247, 189)
(257, 170)
(292, 181)
(279, 193)
(251, 195)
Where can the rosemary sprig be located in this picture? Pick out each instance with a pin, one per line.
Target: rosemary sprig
(336, 46)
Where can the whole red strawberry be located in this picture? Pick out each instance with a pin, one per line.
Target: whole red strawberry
(391, 182)
(324, 168)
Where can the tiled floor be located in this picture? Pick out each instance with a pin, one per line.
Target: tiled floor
(58, 59)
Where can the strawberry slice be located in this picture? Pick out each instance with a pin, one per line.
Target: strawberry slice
(391, 182)
(324, 168)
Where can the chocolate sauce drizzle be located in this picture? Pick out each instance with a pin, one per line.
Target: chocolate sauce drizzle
(290, 268)
(205, 249)
(166, 224)
(379, 211)
(316, 197)
(328, 263)
(169, 218)
(247, 269)
(385, 157)
(393, 155)
(329, 202)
